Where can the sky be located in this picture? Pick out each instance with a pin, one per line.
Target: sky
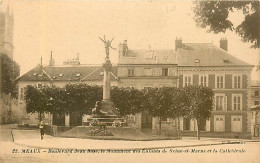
(68, 27)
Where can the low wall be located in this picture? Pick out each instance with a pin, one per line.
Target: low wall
(56, 130)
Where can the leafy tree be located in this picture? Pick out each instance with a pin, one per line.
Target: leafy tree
(214, 14)
(165, 103)
(198, 103)
(10, 71)
(82, 97)
(35, 100)
(126, 100)
(56, 99)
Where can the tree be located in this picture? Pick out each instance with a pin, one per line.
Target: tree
(10, 71)
(165, 103)
(82, 97)
(126, 100)
(215, 14)
(35, 100)
(198, 104)
(74, 98)
(55, 99)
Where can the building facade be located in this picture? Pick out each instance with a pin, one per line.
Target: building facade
(255, 108)
(142, 69)
(230, 79)
(71, 72)
(187, 64)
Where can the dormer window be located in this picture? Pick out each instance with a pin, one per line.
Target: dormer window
(197, 61)
(225, 60)
(149, 55)
(40, 75)
(165, 57)
(78, 75)
(60, 75)
(101, 73)
(34, 74)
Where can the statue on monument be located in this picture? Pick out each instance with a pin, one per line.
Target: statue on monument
(107, 46)
(106, 108)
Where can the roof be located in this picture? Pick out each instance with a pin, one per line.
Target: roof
(67, 73)
(148, 57)
(206, 54)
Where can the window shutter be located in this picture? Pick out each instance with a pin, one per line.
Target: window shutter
(225, 103)
(214, 103)
(233, 81)
(216, 78)
(241, 102)
(170, 72)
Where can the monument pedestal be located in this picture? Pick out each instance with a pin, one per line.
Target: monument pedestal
(108, 108)
(108, 113)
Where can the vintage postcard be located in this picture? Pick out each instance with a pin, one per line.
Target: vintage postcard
(129, 81)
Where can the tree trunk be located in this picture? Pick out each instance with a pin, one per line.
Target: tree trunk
(160, 125)
(198, 129)
(40, 116)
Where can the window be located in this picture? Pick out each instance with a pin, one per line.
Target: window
(256, 93)
(237, 81)
(156, 72)
(165, 72)
(187, 80)
(21, 93)
(256, 103)
(220, 102)
(131, 72)
(147, 72)
(236, 101)
(220, 81)
(203, 80)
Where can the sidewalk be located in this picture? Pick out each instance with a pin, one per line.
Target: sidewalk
(31, 138)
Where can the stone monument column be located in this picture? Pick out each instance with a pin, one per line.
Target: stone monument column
(107, 106)
(106, 81)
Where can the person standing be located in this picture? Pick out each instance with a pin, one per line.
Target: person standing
(41, 129)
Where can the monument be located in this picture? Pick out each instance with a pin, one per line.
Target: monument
(107, 107)
(104, 114)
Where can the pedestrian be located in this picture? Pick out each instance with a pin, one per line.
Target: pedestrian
(41, 129)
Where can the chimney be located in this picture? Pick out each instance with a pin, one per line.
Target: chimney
(122, 49)
(178, 43)
(51, 62)
(223, 44)
(40, 68)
